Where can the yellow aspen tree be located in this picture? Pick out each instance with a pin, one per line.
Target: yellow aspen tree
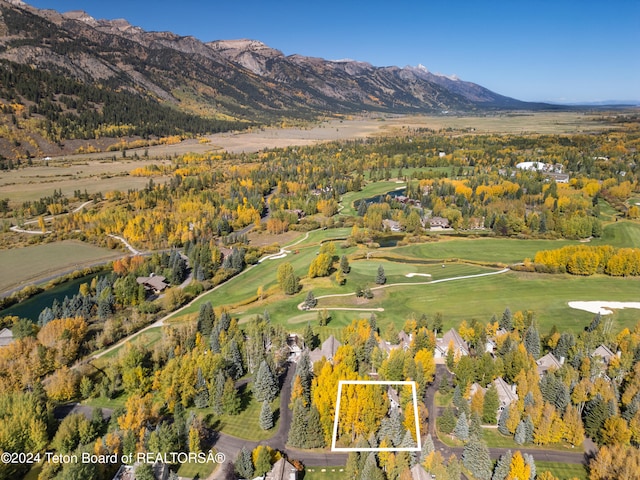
(519, 470)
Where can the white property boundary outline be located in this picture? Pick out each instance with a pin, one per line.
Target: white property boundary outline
(414, 393)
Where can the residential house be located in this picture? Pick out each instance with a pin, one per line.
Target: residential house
(6, 337)
(602, 351)
(491, 344)
(405, 340)
(127, 472)
(438, 223)
(548, 362)
(294, 345)
(452, 337)
(153, 283)
(391, 225)
(387, 347)
(282, 470)
(327, 350)
(394, 398)
(506, 394)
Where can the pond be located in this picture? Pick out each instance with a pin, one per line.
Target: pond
(380, 198)
(32, 307)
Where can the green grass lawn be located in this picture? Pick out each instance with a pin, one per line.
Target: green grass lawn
(495, 439)
(324, 473)
(369, 190)
(491, 250)
(480, 298)
(148, 338)
(104, 402)
(245, 425)
(620, 234)
(190, 470)
(564, 471)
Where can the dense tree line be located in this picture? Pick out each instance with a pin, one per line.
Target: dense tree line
(70, 109)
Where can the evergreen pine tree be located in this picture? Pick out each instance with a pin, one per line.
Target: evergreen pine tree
(595, 414)
(490, 405)
(304, 371)
(201, 398)
(529, 429)
(315, 434)
(532, 341)
(371, 471)
(309, 337)
(344, 264)
(297, 431)
(381, 278)
(235, 359)
(266, 416)
(206, 319)
(231, 401)
(475, 457)
(529, 460)
(447, 421)
(244, 464)
(265, 386)
(427, 448)
(216, 394)
(461, 430)
(310, 301)
(373, 322)
(506, 322)
(503, 465)
(520, 436)
(352, 469)
(595, 323)
(475, 425)
(214, 340)
(502, 421)
(263, 461)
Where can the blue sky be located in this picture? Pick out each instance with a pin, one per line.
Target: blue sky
(544, 50)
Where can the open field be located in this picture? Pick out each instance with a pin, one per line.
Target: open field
(96, 171)
(32, 183)
(564, 471)
(24, 265)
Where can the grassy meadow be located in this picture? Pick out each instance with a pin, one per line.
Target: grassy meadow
(23, 265)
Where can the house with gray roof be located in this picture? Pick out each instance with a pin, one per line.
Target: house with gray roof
(602, 351)
(282, 470)
(547, 363)
(327, 350)
(453, 338)
(6, 337)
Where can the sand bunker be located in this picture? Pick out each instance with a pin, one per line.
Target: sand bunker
(411, 275)
(601, 307)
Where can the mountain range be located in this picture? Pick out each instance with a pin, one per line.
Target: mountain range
(239, 80)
